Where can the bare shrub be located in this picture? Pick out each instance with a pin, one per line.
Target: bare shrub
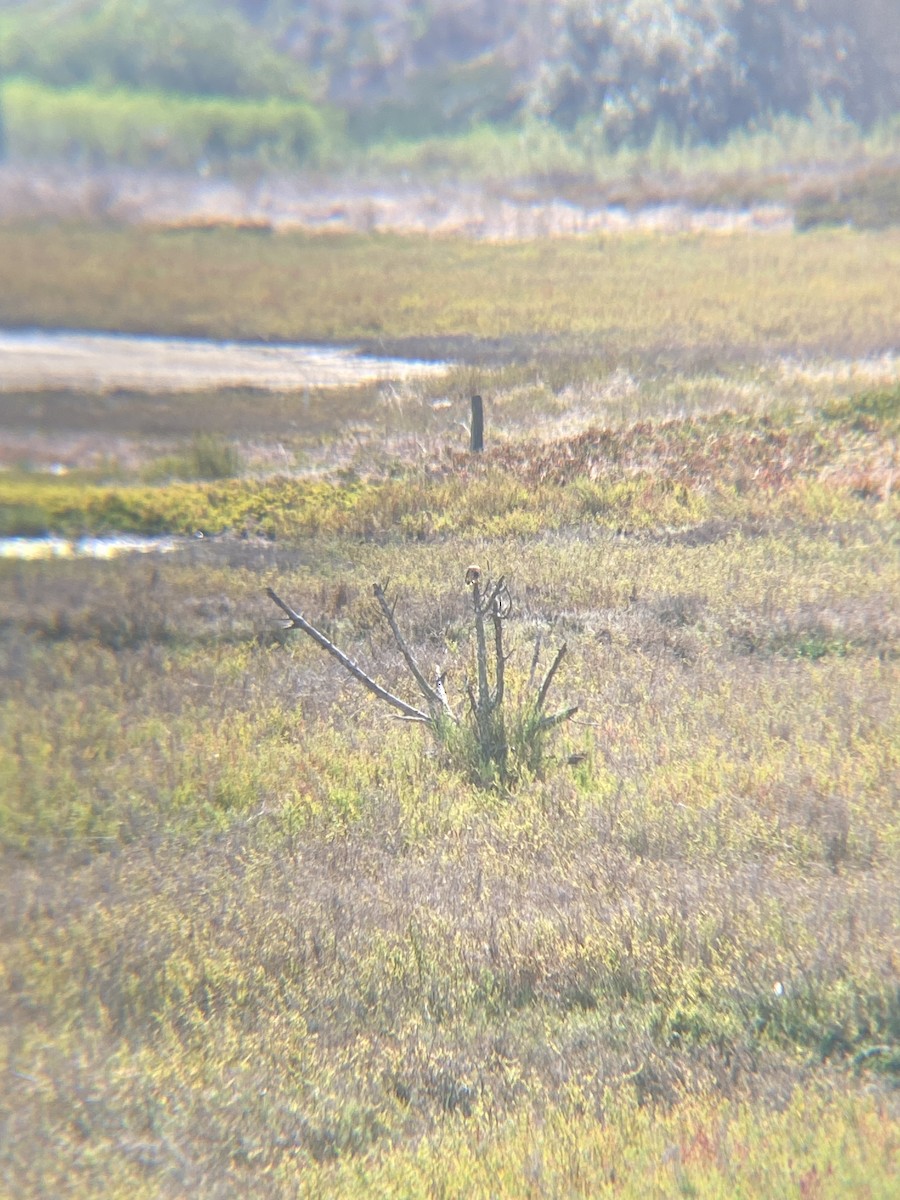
(493, 747)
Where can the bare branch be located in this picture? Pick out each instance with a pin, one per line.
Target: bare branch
(484, 696)
(558, 718)
(431, 694)
(534, 660)
(493, 597)
(500, 670)
(299, 622)
(548, 678)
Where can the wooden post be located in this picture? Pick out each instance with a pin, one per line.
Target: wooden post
(476, 441)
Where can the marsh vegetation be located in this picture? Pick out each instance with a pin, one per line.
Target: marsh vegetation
(261, 938)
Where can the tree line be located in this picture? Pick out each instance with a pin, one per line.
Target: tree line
(609, 72)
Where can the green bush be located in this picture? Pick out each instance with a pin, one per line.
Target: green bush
(189, 46)
(208, 457)
(139, 129)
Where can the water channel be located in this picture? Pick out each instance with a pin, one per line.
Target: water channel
(32, 360)
(36, 360)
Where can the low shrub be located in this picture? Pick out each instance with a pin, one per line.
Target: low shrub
(869, 199)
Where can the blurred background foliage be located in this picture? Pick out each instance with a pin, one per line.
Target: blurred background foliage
(291, 83)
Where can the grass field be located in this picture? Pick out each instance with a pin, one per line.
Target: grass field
(829, 291)
(260, 938)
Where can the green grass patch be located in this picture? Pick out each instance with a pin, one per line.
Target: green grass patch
(867, 410)
(103, 126)
(207, 457)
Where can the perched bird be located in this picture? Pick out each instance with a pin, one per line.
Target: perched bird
(473, 575)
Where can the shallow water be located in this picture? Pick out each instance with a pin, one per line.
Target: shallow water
(36, 359)
(31, 548)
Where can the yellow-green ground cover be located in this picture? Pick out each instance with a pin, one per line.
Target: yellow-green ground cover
(829, 290)
(259, 938)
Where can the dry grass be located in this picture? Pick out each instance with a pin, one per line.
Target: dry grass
(253, 928)
(258, 938)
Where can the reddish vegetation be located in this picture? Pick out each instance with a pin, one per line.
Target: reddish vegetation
(722, 450)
